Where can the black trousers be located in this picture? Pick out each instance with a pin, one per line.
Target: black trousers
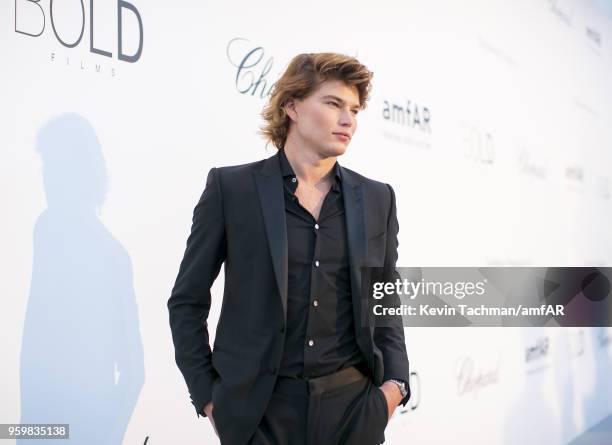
(345, 410)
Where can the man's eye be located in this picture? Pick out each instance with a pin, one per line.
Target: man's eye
(354, 112)
(333, 103)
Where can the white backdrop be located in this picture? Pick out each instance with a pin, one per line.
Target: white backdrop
(491, 119)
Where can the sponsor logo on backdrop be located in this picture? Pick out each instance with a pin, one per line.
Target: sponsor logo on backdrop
(415, 394)
(408, 123)
(576, 343)
(252, 67)
(409, 114)
(574, 176)
(530, 167)
(593, 38)
(478, 145)
(604, 338)
(472, 378)
(68, 27)
(563, 10)
(537, 356)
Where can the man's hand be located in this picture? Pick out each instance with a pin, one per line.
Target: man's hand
(208, 410)
(393, 395)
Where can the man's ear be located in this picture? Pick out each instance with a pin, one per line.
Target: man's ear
(290, 109)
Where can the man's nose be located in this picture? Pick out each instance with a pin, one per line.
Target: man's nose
(346, 118)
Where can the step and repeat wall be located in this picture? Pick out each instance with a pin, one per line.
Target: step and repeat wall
(491, 119)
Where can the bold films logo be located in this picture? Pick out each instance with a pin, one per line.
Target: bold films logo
(67, 22)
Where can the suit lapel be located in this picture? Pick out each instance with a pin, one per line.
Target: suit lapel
(352, 191)
(269, 183)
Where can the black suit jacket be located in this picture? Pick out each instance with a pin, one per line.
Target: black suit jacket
(240, 220)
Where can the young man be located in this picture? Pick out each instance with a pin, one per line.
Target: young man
(292, 363)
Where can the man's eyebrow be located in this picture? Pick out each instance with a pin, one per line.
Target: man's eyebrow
(331, 96)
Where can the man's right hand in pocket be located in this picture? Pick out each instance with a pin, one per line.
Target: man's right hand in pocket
(208, 410)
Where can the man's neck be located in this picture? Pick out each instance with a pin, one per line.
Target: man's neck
(309, 166)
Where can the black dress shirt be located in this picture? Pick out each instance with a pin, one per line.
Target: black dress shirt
(320, 336)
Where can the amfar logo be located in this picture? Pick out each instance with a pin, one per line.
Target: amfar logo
(31, 20)
(410, 115)
(604, 338)
(537, 351)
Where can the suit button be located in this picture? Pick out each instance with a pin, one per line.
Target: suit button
(273, 370)
(282, 329)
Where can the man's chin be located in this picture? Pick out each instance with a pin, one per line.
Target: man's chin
(333, 150)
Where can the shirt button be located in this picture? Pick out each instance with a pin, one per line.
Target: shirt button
(315, 303)
(317, 263)
(310, 342)
(294, 179)
(316, 227)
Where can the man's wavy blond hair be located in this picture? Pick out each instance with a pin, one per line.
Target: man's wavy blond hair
(301, 78)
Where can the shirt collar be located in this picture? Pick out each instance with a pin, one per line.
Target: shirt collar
(286, 169)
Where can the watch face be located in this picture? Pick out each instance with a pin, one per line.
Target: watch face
(402, 387)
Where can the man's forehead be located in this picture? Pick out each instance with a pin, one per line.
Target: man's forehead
(339, 90)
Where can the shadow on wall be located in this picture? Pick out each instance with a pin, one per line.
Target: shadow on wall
(82, 359)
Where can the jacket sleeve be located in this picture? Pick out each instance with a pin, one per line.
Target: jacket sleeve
(189, 302)
(390, 337)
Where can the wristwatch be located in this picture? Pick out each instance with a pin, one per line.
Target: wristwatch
(401, 385)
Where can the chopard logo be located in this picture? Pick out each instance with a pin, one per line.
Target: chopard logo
(471, 380)
(531, 167)
(252, 67)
